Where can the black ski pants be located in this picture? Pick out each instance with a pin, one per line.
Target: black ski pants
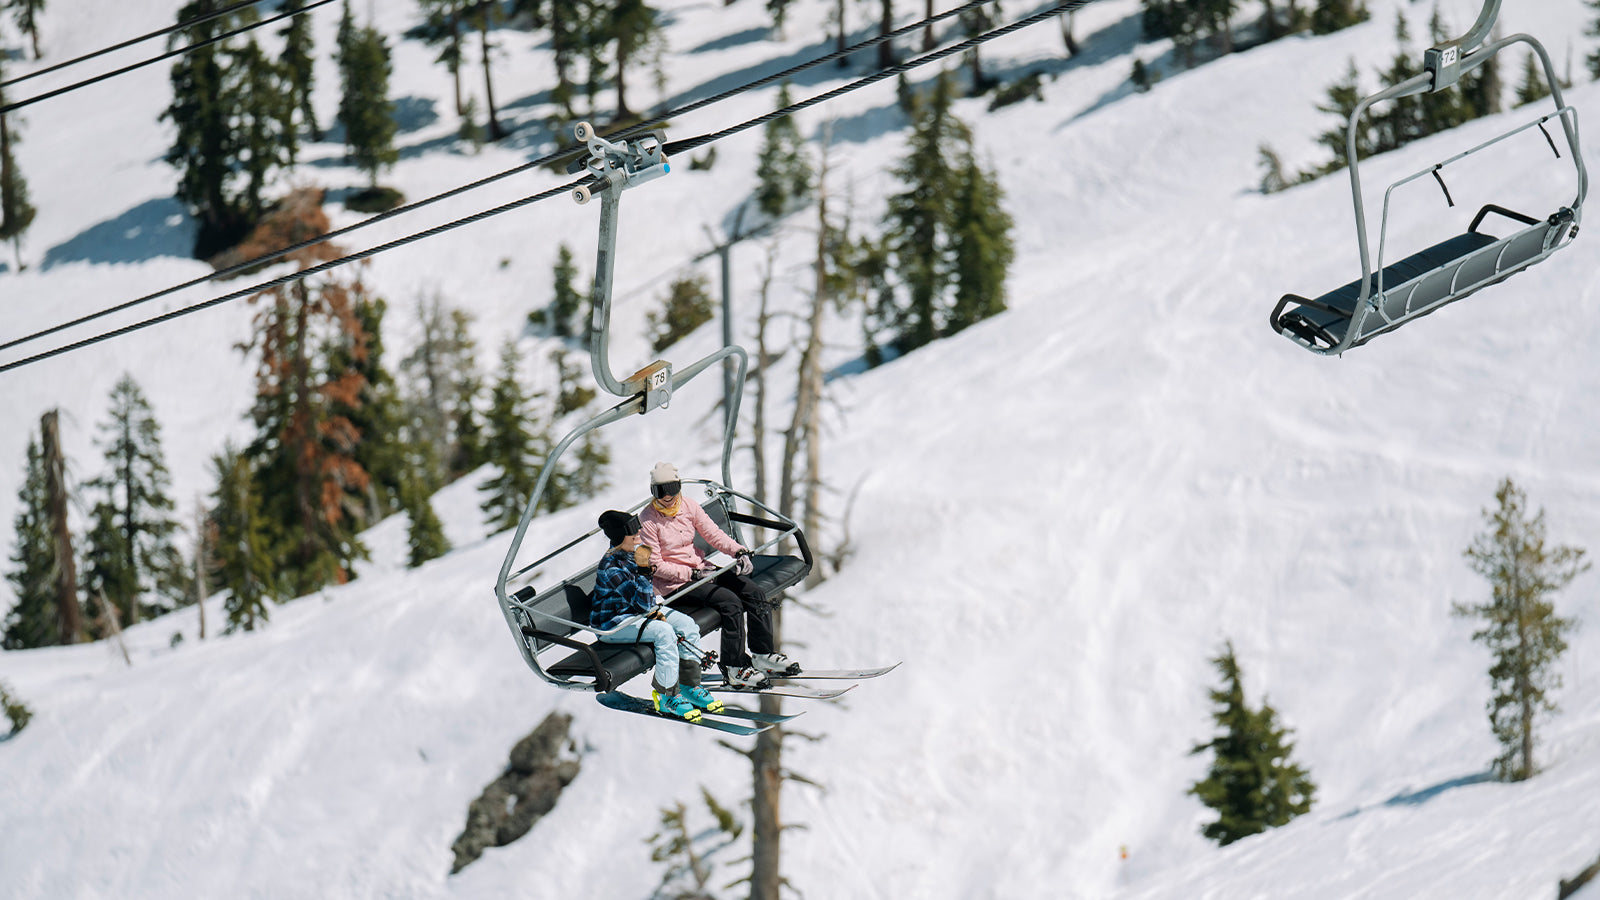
(738, 601)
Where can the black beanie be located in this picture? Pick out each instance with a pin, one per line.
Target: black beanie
(618, 525)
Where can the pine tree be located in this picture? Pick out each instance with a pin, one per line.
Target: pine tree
(1333, 15)
(633, 34)
(304, 453)
(228, 111)
(442, 24)
(1593, 59)
(1483, 86)
(425, 538)
(566, 301)
(1251, 782)
(242, 549)
(134, 560)
(1401, 123)
(976, 21)
(1443, 110)
(688, 851)
(571, 394)
(1343, 98)
(364, 106)
(27, 14)
(1520, 625)
(298, 63)
(782, 170)
(355, 357)
(1533, 87)
(688, 306)
(980, 234)
(16, 213)
(32, 620)
(512, 447)
(1216, 16)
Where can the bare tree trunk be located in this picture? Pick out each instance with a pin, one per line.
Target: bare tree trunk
(838, 11)
(1067, 36)
(764, 360)
(69, 616)
(886, 25)
(495, 131)
(202, 555)
(928, 40)
(113, 627)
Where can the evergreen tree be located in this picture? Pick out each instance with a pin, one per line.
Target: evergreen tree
(1216, 16)
(26, 13)
(1443, 110)
(566, 301)
(371, 403)
(1483, 86)
(1533, 87)
(588, 477)
(688, 306)
(980, 233)
(228, 112)
(304, 455)
(298, 64)
(689, 852)
(16, 213)
(442, 25)
(782, 170)
(133, 561)
(1593, 59)
(571, 394)
(1343, 98)
(1251, 782)
(1401, 123)
(1520, 625)
(364, 106)
(444, 384)
(32, 620)
(512, 447)
(241, 550)
(1333, 15)
(633, 35)
(425, 538)
(917, 225)
(977, 20)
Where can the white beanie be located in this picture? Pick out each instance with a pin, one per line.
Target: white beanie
(663, 473)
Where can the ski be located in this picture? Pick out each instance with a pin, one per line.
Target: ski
(740, 713)
(778, 690)
(628, 703)
(829, 674)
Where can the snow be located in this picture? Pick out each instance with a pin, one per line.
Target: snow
(1060, 514)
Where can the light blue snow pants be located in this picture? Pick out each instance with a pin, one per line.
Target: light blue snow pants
(663, 633)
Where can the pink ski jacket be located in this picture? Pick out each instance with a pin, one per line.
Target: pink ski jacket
(671, 542)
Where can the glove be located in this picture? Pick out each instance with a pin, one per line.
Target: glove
(743, 565)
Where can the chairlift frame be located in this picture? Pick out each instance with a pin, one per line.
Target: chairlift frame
(1377, 308)
(616, 167)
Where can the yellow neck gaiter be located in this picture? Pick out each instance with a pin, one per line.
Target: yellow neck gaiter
(671, 509)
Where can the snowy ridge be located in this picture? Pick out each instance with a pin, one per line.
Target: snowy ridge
(1062, 513)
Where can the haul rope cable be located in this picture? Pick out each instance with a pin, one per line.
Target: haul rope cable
(455, 192)
(681, 146)
(197, 20)
(188, 48)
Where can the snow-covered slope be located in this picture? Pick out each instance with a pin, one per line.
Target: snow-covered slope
(1060, 514)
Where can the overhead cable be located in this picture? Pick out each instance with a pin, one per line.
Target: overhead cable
(188, 48)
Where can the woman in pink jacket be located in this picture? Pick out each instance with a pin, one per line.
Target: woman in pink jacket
(668, 526)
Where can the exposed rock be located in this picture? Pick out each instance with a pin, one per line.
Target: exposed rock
(541, 765)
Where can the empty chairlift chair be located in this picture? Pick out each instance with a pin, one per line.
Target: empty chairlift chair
(1497, 244)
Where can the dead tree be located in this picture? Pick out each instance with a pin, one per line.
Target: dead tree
(202, 561)
(69, 616)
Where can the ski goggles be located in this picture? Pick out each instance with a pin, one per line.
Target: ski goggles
(666, 489)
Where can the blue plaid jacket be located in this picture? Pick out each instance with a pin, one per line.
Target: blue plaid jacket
(620, 590)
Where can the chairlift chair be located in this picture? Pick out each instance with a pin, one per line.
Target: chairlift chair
(558, 617)
(1379, 302)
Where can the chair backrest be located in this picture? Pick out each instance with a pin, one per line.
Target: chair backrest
(569, 600)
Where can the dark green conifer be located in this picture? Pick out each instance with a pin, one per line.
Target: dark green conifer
(571, 393)
(1251, 782)
(1593, 59)
(1343, 98)
(1332, 15)
(1402, 121)
(242, 550)
(484, 15)
(512, 446)
(16, 213)
(1533, 86)
(1520, 625)
(443, 22)
(364, 105)
(980, 235)
(782, 170)
(32, 620)
(375, 415)
(566, 301)
(688, 306)
(132, 559)
(633, 34)
(298, 63)
(425, 538)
